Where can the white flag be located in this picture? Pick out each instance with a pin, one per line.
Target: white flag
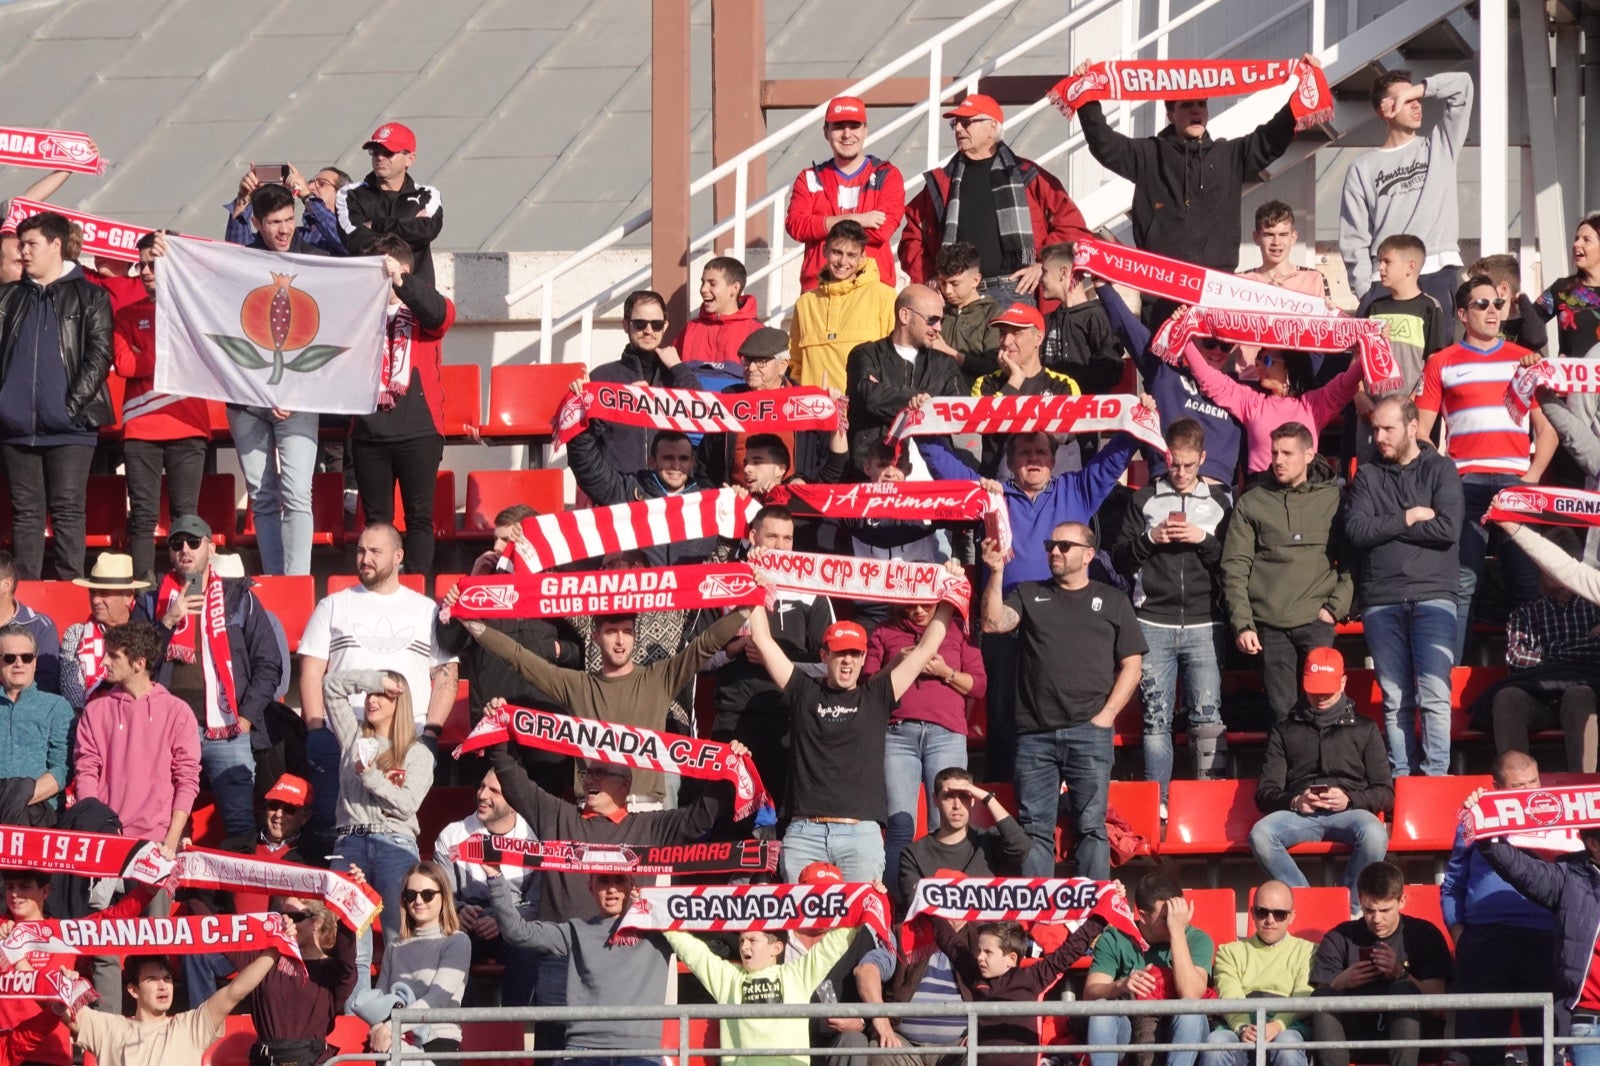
(269, 329)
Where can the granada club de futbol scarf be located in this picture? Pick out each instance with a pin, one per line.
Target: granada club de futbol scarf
(553, 540)
(1198, 79)
(1557, 375)
(1538, 819)
(101, 236)
(580, 857)
(1186, 283)
(92, 655)
(601, 592)
(944, 415)
(355, 904)
(760, 908)
(852, 578)
(625, 745)
(56, 851)
(211, 625)
(1301, 333)
(50, 150)
(906, 501)
(195, 934)
(692, 411)
(1056, 900)
(1537, 505)
(59, 984)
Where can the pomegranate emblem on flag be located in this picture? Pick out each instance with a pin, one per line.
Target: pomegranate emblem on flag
(278, 318)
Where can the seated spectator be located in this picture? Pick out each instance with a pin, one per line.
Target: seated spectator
(34, 731)
(14, 612)
(1272, 962)
(1326, 777)
(1176, 965)
(1381, 953)
(937, 989)
(928, 729)
(319, 226)
(389, 200)
(426, 966)
(851, 305)
(294, 1016)
(647, 359)
(953, 847)
(1554, 656)
(882, 375)
(966, 328)
(765, 357)
(670, 472)
(727, 315)
(112, 602)
(1078, 340)
(858, 977)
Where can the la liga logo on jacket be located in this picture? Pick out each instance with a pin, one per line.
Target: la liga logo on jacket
(278, 318)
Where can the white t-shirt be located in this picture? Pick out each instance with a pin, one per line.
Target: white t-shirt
(357, 629)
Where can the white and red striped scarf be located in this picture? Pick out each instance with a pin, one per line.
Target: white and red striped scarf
(395, 377)
(693, 411)
(1301, 333)
(1188, 284)
(584, 857)
(102, 237)
(906, 501)
(760, 908)
(1542, 506)
(59, 985)
(1198, 79)
(355, 904)
(1545, 819)
(853, 578)
(92, 655)
(222, 698)
(601, 592)
(50, 150)
(196, 934)
(552, 540)
(622, 745)
(1058, 900)
(1557, 375)
(944, 415)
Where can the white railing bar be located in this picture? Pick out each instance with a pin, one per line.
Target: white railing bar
(741, 194)
(599, 244)
(935, 76)
(775, 282)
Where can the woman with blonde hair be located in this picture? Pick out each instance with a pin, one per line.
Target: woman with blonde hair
(384, 774)
(293, 1014)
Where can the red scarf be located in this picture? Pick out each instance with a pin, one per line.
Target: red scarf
(1198, 79)
(60, 985)
(102, 237)
(1540, 818)
(82, 854)
(563, 537)
(1067, 901)
(945, 415)
(690, 411)
(760, 908)
(396, 371)
(50, 150)
(601, 592)
(201, 934)
(906, 501)
(1537, 505)
(581, 857)
(222, 700)
(92, 655)
(1186, 283)
(1557, 375)
(873, 580)
(1300, 333)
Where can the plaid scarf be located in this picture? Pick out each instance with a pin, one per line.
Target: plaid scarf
(1010, 206)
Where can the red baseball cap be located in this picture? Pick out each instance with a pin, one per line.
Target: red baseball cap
(1324, 672)
(845, 636)
(1019, 316)
(295, 791)
(845, 109)
(975, 106)
(820, 873)
(393, 137)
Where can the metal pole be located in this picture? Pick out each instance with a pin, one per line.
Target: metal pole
(1261, 1036)
(1591, 121)
(1547, 1047)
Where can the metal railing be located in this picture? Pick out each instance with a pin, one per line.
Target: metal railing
(972, 1012)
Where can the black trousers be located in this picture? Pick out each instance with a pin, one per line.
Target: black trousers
(414, 466)
(1283, 655)
(1501, 958)
(51, 480)
(1377, 1025)
(185, 463)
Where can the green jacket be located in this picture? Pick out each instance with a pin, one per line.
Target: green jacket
(1282, 558)
(967, 330)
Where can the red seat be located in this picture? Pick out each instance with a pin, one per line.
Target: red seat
(1210, 817)
(1427, 810)
(205, 823)
(491, 1036)
(443, 583)
(218, 506)
(61, 601)
(349, 1036)
(463, 400)
(491, 491)
(327, 513)
(703, 1033)
(1422, 901)
(1216, 912)
(1316, 910)
(234, 1047)
(444, 507)
(1140, 803)
(292, 598)
(106, 511)
(443, 804)
(217, 415)
(523, 399)
(340, 582)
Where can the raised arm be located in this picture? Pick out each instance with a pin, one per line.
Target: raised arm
(779, 667)
(223, 1001)
(336, 692)
(997, 615)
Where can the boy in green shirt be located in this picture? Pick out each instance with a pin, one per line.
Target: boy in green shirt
(967, 333)
(1270, 963)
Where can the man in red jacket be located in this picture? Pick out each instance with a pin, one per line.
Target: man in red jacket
(851, 185)
(1020, 208)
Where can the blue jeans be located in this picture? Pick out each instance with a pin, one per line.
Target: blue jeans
(857, 850)
(1584, 1054)
(611, 1060)
(384, 858)
(1197, 651)
(1080, 756)
(322, 768)
(1521, 577)
(913, 755)
(1229, 1053)
(278, 460)
(1117, 1029)
(1273, 836)
(1412, 652)
(201, 974)
(231, 768)
(1003, 291)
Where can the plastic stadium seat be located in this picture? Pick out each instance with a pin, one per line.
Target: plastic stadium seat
(106, 511)
(327, 513)
(1210, 817)
(1216, 912)
(234, 1047)
(1422, 901)
(491, 491)
(523, 399)
(1140, 803)
(1316, 910)
(1426, 811)
(703, 1033)
(443, 583)
(218, 505)
(340, 582)
(292, 598)
(61, 601)
(491, 1036)
(205, 822)
(463, 400)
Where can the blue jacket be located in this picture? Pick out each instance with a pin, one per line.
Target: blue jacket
(1568, 887)
(318, 228)
(1473, 894)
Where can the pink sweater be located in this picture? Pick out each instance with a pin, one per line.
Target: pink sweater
(139, 757)
(1261, 413)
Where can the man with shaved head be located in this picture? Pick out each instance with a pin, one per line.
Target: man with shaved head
(1504, 941)
(883, 375)
(1273, 962)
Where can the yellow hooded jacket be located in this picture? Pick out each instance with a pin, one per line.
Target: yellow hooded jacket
(832, 319)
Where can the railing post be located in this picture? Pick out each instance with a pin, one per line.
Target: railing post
(935, 77)
(1261, 1043)
(741, 204)
(1547, 1046)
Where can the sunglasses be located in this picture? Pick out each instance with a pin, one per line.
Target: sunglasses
(184, 540)
(1263, 913)
(286, 808)
(963, 123)
(1064, 546)
(1211, 344)
(932, 320)
(297, 916)
(1268, 360)
(411, 895)
(11, 658)
(1483, 303)
(640, 325)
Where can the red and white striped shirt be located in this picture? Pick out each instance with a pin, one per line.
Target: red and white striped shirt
(1468, 387)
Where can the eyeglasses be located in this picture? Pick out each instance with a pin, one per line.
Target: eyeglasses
(180, 541)
(1483, 303)
(297, 916)
(963, 123)
(640, 325)
(1263, 913)
(411, 895)
(11, 658)
(1064, 546)
(285, 808)
(932, 320)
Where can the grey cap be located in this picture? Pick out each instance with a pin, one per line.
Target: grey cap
(764, 343)
(190, 524)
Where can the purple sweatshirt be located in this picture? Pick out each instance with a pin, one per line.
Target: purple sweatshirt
(1262, 413)
(139, 757)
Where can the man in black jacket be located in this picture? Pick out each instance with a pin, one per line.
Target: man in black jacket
(1403, 516)
(647, 360)
(883, 375)
(55, 353)
(1325, 777)
(387, 200)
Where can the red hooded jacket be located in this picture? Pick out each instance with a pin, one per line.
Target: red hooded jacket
(714, 338)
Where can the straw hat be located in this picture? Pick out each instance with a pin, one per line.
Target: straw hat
(112, 572)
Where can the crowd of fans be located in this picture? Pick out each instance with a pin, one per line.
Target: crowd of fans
(1287, 501)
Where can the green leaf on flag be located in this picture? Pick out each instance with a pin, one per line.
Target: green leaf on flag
(314, 358)
(240, 351)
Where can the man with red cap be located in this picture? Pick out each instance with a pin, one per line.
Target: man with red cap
(387, 200)
(1326, 776)
(852, 185)
(1008, 207)
(857, 977)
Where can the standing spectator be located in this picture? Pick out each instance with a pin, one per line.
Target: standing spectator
(966, 328)
(1522, 323)
(928, 729)
(1408, 183)
(1273, 962)
(1275, 237)
(1574, 301)
(294, 1016)
(1417, 323)
(646, 360)
(1065, 709)
(319, 225)
(882, 375)
(14, 612)
(388, 201)
(271, 212)
(1022, 372)
(954, 844)
(1078, 339)
(34, 728)
(765, 356)
(402, 443)
(113, 601)
(727, 316)
(160, 431)
(851, 186)
(851, 305)
(1020, 208)
(1381, 953)
(1283, 576)
(1176, 965)
(1403, 519)
(1466, 384)
(1171, 548)
(55, 353)
(1325, 778)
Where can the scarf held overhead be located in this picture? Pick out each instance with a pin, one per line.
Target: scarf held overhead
(50, 150)
(553, 540)
(101, 236)
(906, 501)
(760, 908)
(944, 415)
(624, 745)
(581, 857)
(602, 592)
(1302, 333)
(1186, 283)
(1557, 375)
(60, 985)
(1198, 79)
(690, 411)
(226, 871)
(82, 854)
(1545, 507)
(195, 934)
(210, 625)
(859, 578)
(1062, 900)
(1513, 812)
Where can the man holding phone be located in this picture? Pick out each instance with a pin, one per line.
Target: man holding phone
(319, 227)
